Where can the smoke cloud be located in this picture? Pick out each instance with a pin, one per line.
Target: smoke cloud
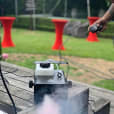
(48, 107)
(55, 103)
(1, 112)
(60, 102)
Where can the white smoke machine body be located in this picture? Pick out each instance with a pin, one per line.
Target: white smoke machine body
(45, 73)
(47, 78)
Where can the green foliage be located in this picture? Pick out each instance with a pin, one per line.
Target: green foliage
(41, 23)
(28, 62)
(108, 84)
(39, 6)
(22, 22)
(7, 6)
(108, 2)
(109, 32)
(45, 23)
(80, 5)
(97, 5)
(21, 6)
(40, 42)
(79, 73)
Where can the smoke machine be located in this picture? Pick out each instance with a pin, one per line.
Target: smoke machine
(47, 78)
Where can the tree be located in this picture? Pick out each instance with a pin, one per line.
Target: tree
(8, 6)
(81, 5)
(5, 5)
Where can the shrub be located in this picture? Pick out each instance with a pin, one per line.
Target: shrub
(109, 32)
(45, 23)
(42, 23)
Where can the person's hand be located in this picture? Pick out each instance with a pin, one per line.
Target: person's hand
(99, 22)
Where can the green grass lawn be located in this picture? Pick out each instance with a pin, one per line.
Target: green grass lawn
(108, 84)
(40, 42)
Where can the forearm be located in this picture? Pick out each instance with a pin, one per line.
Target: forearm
(110, 13)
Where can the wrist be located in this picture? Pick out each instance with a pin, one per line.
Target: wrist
(109, 14)
(106, 18)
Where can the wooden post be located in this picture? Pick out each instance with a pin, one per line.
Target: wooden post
(88, 8)
(65, 10)
(16, 9)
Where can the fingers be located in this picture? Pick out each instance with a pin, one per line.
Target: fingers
(104, 27)
(98, 23)
(90, 27)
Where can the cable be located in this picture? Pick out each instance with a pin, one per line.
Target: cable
(61, 57)
(5, 85)
(4, 82)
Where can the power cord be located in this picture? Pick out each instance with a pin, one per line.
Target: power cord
(9, 94)
(61, 57)
(4, 82)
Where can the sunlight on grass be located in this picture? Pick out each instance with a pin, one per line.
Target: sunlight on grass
(40, 42)
(28, 62)
(108, 84)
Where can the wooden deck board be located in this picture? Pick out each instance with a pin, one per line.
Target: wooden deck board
(23, 95)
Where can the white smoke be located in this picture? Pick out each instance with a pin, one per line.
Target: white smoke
(56, 103)
(49, 106)
(1, 112)
(59, 102)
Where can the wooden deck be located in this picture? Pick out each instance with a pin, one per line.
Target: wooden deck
(18, 85)
(17, 81)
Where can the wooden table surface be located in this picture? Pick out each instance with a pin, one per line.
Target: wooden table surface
(17, 80)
